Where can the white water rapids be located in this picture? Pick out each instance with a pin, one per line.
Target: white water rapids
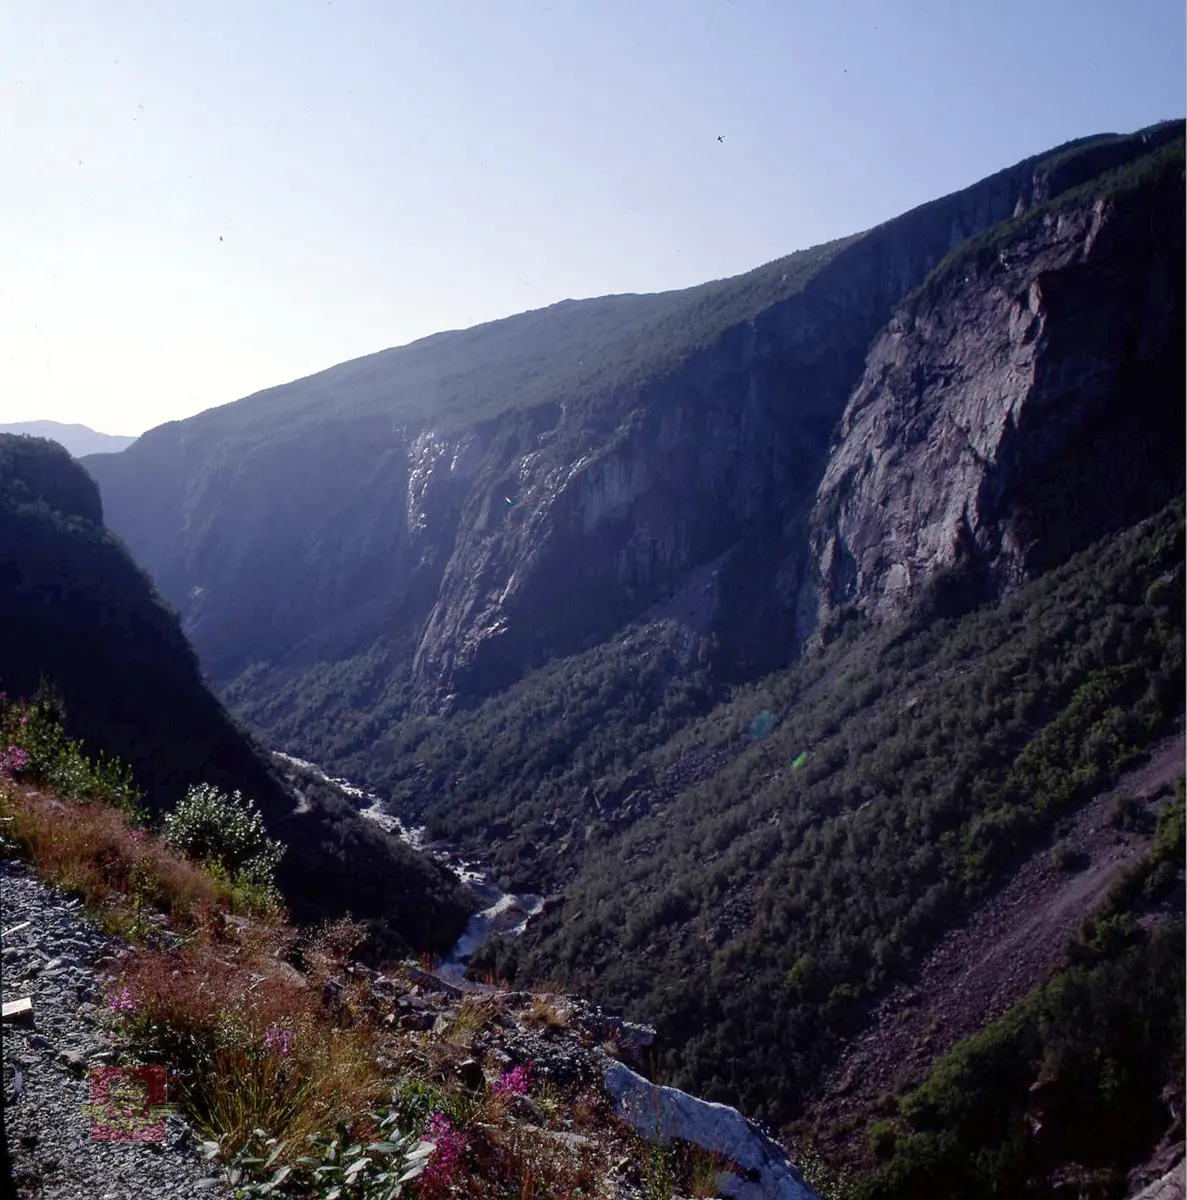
(504, 914)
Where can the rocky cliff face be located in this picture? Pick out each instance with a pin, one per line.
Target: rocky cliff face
(625, 443)
(567, 533)
(1027, 400)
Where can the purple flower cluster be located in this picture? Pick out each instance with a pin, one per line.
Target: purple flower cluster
(450, 1143)
(15, 758)
(515, 1080)
(279, 1039)
(121, 1001)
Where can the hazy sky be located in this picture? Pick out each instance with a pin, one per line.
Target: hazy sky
(201, 199)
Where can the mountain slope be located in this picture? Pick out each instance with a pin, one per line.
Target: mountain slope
(761, 901)
(78, 439)
(480, 502)
(542, 773)
(1013, 941)
(79, 613)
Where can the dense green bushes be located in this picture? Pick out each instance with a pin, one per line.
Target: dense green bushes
(34, 748)
(226, 831)
(1072, 1078)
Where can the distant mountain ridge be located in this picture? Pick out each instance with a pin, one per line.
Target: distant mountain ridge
(79, 440)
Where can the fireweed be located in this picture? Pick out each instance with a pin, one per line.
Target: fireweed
(15, 758)
(515, 1080)
(279, 1039)
(450, 1143)
(121, 1001)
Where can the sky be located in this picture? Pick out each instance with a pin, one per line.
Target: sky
(203, 199)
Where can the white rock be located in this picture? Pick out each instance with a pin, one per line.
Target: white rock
(1170, 1187)
(764, 1172)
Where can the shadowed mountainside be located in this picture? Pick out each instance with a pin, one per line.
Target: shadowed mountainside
(767, 626)
(78, 613)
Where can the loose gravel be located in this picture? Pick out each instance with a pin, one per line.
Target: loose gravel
(46, 1064)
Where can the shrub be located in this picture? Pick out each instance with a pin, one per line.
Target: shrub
(213, 827)
(883, 1138)
(336, 1165)
(251, 1047)
(1128, 814)
(38, 748)
(1065, 858)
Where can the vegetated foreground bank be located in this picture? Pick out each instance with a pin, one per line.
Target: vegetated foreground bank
(309, 1073)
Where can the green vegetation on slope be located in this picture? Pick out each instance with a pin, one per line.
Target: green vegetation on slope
(754, 915)
(1073, 1075)
(506, 773)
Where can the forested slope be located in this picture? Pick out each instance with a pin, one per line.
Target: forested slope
(754, 915)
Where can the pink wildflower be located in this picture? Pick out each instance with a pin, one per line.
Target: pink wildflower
(15, 758)
(279, 1039)
(121, 1001)
(450, 1143)
(138, 835)
(516, 1080)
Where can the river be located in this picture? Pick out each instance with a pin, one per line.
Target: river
(504, 914)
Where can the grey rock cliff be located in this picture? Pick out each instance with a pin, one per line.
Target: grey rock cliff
(1018, 407)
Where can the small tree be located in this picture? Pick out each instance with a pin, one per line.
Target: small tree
(213, 827)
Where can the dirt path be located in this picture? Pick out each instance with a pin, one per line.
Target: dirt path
(1010, 944)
